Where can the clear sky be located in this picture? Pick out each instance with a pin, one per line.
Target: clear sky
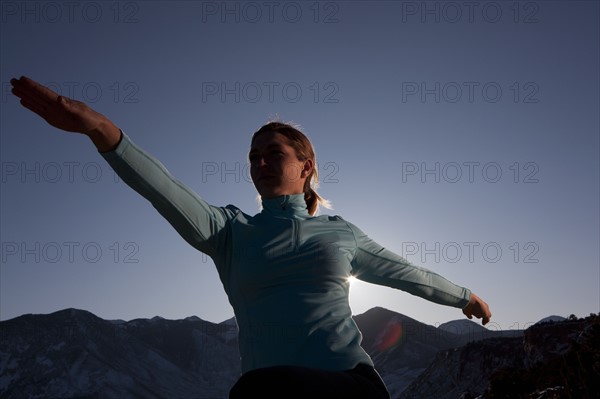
(461, 135)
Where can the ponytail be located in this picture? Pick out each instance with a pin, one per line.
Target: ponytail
(311, 197)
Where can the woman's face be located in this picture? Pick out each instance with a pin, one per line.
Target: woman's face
(274, 167)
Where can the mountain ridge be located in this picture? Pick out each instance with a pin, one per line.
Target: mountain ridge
(194, 317)
(74, 353)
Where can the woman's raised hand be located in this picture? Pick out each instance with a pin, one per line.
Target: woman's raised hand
(65, 113)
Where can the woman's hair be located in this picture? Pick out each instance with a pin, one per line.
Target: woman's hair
(304, 150)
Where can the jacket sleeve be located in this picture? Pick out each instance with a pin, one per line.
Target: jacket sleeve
(375, 264)
(202, 225)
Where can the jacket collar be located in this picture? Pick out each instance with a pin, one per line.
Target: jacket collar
(290, 206)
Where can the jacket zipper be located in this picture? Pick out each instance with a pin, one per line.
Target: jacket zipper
(295, 234)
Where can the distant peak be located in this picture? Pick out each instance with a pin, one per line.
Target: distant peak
(379, 310)
(461, 326)
(551, 319)
(72, 311)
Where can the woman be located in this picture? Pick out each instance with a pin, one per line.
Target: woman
(285, 270)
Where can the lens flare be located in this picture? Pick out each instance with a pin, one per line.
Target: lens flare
(390, 337)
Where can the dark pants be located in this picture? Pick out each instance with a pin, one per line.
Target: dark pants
(291, 382)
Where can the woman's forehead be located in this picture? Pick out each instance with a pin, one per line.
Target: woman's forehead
(267, 139)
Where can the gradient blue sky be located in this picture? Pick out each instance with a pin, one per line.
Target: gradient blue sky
(463, 137)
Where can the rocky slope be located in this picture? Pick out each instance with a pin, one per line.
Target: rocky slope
(551, 360)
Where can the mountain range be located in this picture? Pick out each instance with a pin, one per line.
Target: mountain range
(75, 354)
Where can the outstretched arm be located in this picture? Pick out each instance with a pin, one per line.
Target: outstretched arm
(200, 224)
(67, 114)
(375, 264)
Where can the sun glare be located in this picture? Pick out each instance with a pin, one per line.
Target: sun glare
(351, 279)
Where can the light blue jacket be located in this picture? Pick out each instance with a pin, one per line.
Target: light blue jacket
(285, 272)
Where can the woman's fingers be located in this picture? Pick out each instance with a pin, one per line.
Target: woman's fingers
(478, 308)
(486, 319)
(52, 107)
(32, 88)
(34, 94)
(485, 314)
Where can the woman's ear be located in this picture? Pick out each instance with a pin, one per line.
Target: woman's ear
(307, 167)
